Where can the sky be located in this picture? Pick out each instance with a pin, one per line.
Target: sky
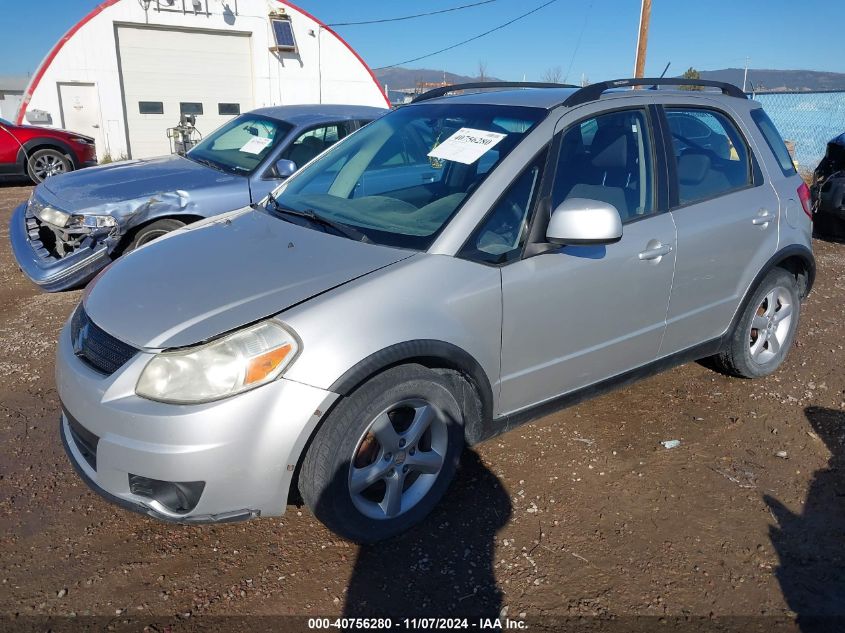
(595, 38)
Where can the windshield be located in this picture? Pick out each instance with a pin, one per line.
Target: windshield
(5, 122)
(239, 146)
(400, 179)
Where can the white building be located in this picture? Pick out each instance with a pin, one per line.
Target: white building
(128, 70)
(11, 95)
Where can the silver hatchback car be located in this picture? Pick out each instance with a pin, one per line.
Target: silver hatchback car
(453, 269)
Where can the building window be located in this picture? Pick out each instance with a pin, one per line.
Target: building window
(190, 108)
(228, 109)
(283, 34)
(151, 107)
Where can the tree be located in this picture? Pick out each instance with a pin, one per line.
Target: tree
(691, 73)
(552, 75)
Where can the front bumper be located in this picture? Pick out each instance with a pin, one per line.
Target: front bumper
(53, 275)
(243, 449)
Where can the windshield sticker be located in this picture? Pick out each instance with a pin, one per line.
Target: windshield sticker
(466, 145)
(256, 145)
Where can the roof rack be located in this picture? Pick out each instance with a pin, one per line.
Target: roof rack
(444, 90)
(594, 91)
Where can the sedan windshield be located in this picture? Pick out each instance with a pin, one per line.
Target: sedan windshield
(239, 146)
(399, 180)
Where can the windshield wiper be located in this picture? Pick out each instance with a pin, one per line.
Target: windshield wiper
(313, 217)
(233, 169)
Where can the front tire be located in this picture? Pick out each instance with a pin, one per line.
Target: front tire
(765, 332)
(153, 231)
(46, 163)
(386, 454)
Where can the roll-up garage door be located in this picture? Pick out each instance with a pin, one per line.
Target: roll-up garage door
(167, 72)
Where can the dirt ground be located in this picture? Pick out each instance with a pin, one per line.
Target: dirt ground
(581, 513)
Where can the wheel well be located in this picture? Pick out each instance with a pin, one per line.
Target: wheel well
(803, 271)
(127, 238)
(471, 387)
(26, 152)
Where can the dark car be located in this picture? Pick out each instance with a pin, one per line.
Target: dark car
(40, 152)
(73, 226)
(829, 190)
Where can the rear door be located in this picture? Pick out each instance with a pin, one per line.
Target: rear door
(581, 314)
(726, 216)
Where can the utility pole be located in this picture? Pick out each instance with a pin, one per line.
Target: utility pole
(642, 39)
(745, 76)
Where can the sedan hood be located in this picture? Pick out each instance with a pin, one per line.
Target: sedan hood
(107, 185)
(221, 274)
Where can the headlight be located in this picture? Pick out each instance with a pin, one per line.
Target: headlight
(62, 219)
(53, 216)
(82, 141)
(240, 361)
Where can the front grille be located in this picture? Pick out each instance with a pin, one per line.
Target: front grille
(86, 442)
(97, 348)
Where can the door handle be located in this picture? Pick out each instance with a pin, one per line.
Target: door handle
(655, 253)
(763, 218)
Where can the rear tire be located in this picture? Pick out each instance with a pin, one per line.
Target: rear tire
(765, 332)
(400, 433)
(46, 163)
(153, 231)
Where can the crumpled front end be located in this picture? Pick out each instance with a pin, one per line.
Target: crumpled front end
(61, 250)
(55, 257)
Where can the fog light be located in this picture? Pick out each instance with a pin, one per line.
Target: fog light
(177, 496)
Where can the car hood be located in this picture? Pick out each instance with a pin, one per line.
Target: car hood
(221, 274)
(107, 187)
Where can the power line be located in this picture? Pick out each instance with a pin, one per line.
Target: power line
(467, 41)
(417, 15)
(578, 42)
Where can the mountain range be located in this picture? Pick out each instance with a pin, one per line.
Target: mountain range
(400, 78)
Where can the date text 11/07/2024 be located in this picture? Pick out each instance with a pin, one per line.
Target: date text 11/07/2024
(417, 624)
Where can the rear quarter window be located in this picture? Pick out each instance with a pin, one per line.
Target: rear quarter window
(774, 141)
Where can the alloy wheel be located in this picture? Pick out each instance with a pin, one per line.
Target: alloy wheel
(770, 325)
(398, 459)
(48, 165)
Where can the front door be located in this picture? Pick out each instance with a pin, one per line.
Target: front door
(585, 313)
(80, 109)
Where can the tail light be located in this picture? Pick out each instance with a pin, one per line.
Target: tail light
(804, 196)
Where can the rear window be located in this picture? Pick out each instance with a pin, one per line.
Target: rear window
(774, 141)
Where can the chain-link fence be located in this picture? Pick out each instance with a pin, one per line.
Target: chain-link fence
(807, 121)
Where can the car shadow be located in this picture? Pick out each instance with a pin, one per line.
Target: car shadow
(445, 565)
(14, 181)
(811, 545)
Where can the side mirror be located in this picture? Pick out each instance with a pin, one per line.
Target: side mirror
(583, 221)
(285, 168)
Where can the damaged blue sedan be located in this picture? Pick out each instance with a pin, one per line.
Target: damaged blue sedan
(73, 226)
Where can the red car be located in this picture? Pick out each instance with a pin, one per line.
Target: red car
(40, 152)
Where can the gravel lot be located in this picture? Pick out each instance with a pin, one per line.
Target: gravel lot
(579, 513)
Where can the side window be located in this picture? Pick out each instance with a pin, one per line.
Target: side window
(608, 158)
(311, 143)
(500, 237)
(775, 141)
(711, 154)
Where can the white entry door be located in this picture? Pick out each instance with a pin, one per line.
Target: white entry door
(169, 72)
(80, 110)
